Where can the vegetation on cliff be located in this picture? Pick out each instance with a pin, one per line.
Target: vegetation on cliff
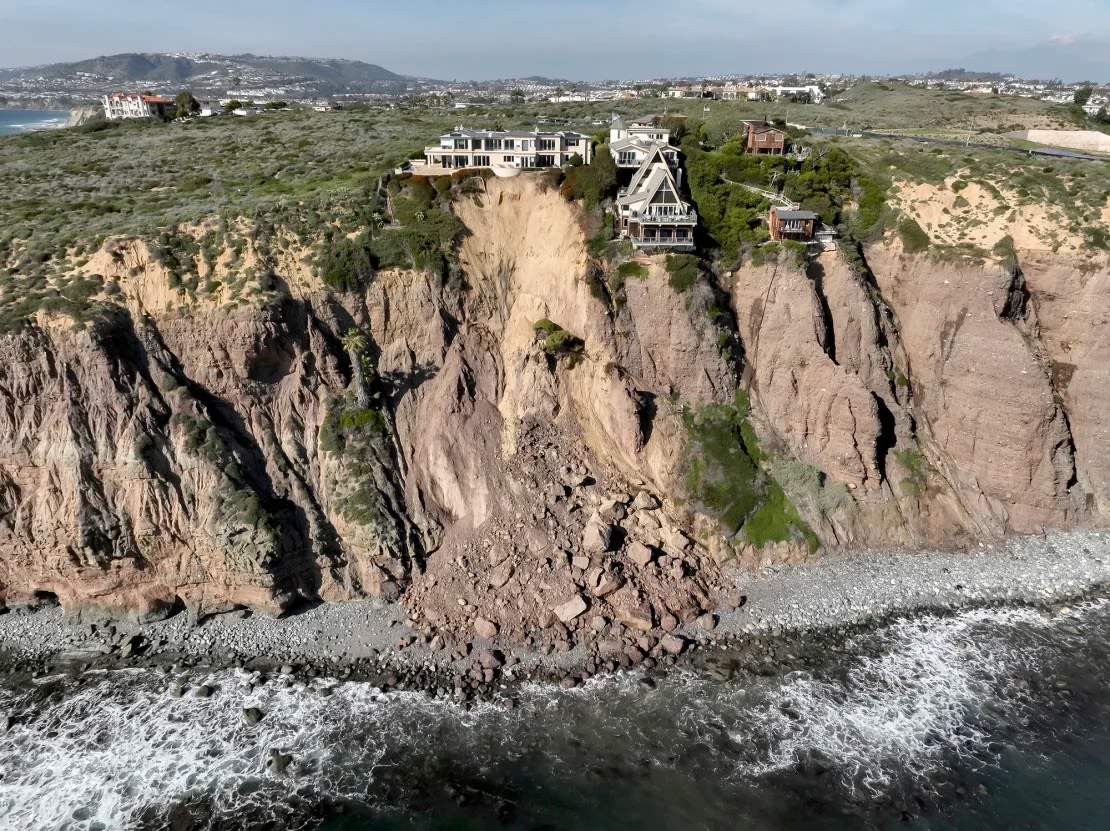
(727, 479)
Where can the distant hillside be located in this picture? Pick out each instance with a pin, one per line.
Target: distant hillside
(967, 75)
(213, 72)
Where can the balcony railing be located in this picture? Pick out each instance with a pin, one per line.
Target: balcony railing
(688, 218)
(649, 242)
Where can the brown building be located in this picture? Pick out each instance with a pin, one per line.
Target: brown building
(799, 226)
(765, 139)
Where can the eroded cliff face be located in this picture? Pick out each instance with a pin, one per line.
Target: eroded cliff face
(209, 453)
(940, 394)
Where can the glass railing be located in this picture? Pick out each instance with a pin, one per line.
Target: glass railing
(662, 243)
(689, 216)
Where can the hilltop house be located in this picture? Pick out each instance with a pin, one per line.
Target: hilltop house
(765, 139)
(137, 105)
(650, 211)
(800, 226)
(500, 149)
(632, 144)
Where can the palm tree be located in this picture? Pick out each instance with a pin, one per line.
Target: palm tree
(355, 344)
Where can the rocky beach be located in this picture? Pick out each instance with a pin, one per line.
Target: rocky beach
(768, 610)
(876, 688)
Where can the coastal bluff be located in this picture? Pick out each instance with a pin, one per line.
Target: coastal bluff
(174, 451)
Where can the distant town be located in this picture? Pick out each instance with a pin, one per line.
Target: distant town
(259, 81)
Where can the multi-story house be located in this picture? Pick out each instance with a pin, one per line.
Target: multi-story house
(800, 226)
(631, 144)
(137, 105)
(651, 212)
(505, 149)
(765, 139)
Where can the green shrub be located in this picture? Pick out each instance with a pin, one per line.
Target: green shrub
(345, 264)
(914, 238)
(632, 269)
(684, 271)
(594, 182)
(558, 342)
(361, 420)
(917, 467)
(725, 480)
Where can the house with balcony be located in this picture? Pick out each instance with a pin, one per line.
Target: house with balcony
(137, 105)
(503, 150)
(799, 226)
(651, 212)
(765, 139)
(632, 144)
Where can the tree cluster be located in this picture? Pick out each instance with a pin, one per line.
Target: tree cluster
(594, 182)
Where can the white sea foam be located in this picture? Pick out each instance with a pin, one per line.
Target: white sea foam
(899, 712)
(119, 750)
(113, 748)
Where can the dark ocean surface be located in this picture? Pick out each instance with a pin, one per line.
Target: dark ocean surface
(988, 719)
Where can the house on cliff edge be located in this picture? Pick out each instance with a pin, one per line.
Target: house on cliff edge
(651, 212)
(502, 150)
(800, 226)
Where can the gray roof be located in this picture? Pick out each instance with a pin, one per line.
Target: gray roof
(783, 214)
(639, 143)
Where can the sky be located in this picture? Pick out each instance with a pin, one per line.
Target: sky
(486, 39)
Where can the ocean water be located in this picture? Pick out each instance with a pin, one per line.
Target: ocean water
(25, 121)
(988, 719)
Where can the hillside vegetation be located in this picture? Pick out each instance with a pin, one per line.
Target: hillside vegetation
(311, 177)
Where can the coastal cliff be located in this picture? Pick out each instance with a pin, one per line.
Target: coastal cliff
(541, 439)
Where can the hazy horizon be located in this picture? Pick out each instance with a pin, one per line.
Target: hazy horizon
(486, 40)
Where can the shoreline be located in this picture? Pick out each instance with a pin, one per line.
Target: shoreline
(808, 605)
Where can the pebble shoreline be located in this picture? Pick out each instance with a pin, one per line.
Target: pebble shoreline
(371, 640)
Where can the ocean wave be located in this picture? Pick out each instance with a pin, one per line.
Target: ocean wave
(125, 749)
(905, 712)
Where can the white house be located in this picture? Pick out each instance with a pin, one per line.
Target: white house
(632, 144)
(814, 92)
(651, 212)
(137, 105)
(502, 149)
